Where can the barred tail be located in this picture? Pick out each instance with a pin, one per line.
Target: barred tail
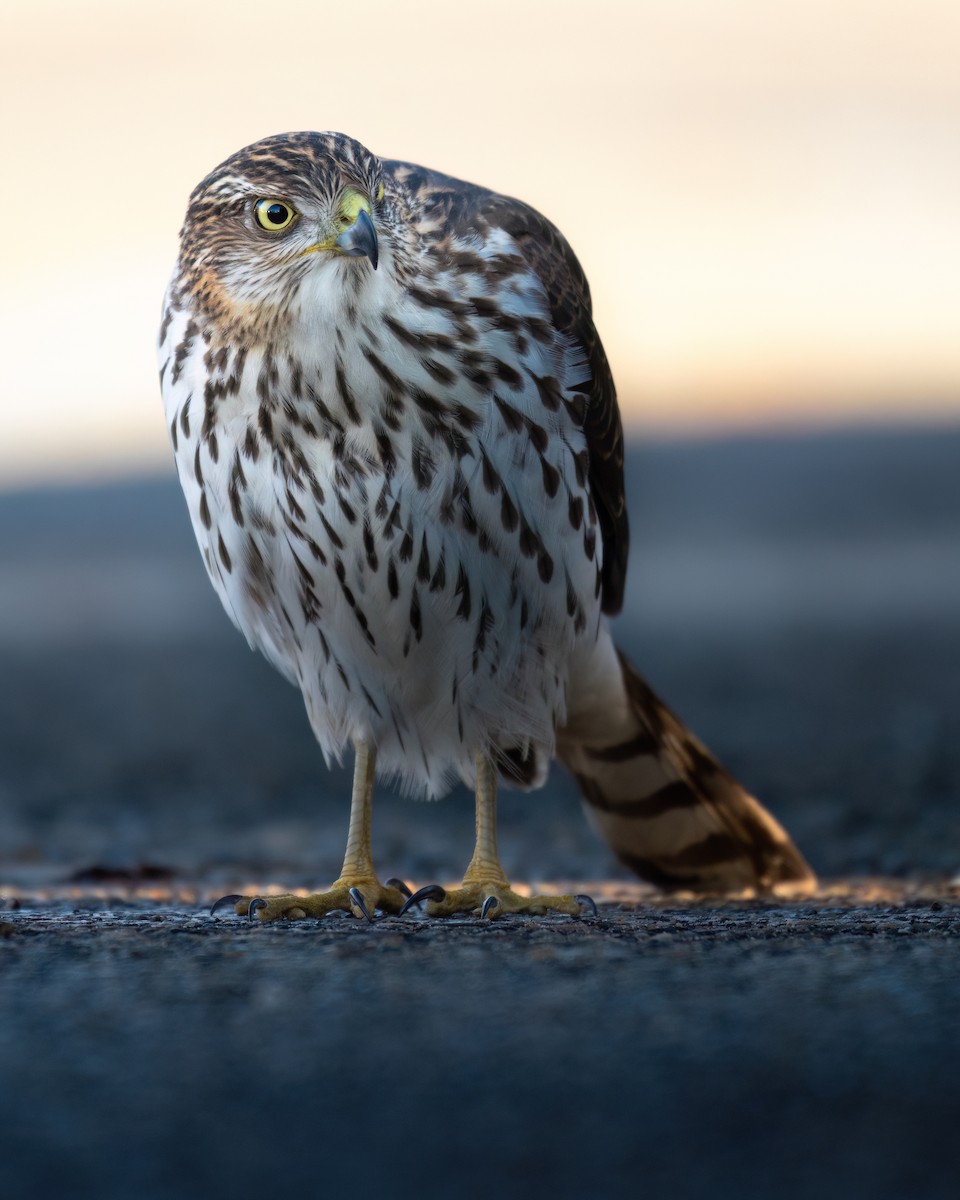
(662, 802)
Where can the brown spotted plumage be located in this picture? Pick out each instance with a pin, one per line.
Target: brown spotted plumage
(399, 441)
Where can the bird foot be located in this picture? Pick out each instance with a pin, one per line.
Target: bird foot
(362, 897)
(489, 899)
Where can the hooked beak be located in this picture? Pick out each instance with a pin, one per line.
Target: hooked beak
(360, 239)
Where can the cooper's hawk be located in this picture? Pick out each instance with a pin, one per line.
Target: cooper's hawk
(399, 441)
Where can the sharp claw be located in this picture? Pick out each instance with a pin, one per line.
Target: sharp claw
(357, 899)
(488, 904)
(586, 905)
(224, 901)
(256, 904)
(432, 891)
(399, 885)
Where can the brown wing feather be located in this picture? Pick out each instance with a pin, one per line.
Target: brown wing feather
(464, 208)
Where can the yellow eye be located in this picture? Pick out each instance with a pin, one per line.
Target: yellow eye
(275, 215)
(379, 193)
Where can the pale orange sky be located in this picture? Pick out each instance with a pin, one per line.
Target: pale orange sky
(766, 197)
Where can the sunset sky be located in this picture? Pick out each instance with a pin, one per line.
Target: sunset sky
(766, 197)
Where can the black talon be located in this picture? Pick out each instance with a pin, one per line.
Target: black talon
(586, 903)
(256, 904)
(223, 902)
(357, 899)
(490, 902)
(399, 885)
(432, 891)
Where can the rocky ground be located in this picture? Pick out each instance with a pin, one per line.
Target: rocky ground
(797, 602)
(149, 1051)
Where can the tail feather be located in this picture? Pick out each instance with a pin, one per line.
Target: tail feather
(663, 803)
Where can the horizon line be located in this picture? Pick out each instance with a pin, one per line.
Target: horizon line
(151, 470)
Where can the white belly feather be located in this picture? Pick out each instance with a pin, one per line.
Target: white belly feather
(432, 621)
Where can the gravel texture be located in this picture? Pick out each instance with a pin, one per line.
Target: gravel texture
(797, 601)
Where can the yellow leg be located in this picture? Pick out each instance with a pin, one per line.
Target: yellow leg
(486, 891)
(357, 890)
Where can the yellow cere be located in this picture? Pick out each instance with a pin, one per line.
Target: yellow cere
(275, 215)
(352, 203)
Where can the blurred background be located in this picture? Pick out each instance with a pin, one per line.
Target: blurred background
(765, 199)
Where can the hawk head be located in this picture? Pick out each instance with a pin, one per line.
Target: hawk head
(274, 214)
